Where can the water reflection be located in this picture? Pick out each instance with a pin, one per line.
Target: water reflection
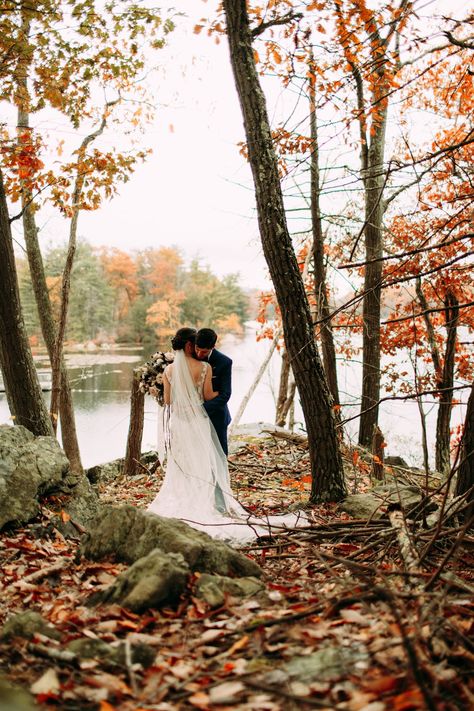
(101, 384)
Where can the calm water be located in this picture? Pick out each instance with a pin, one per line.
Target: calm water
(101, 392)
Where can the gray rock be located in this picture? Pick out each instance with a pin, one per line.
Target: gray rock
(152, 581)
(395, 461)
(407, 496)
(83, 505)
(26, 625)
(363, 506)
(12, 698)
(327, 664)
(127, 534)
(31, 467)
(375, 503)
(112, 470)
(214, 588)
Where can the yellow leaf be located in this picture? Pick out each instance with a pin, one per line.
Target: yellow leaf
(242, 642)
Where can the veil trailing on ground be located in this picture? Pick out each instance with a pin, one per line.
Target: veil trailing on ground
(196, 487)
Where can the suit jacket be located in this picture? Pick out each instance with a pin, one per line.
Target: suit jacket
(221, 382)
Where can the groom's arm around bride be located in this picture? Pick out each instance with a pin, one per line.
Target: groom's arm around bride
(221, 382)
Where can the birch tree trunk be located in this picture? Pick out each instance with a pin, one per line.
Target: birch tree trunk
(19, 372)
(326, 464)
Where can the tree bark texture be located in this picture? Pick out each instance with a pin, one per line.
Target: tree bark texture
(326, 464)
(19, 372)
(282, 389)
(465, 477)
(135, 432)
(374, 210)
(443, 421)
(288, 405)
(378, 445)
(320, 284)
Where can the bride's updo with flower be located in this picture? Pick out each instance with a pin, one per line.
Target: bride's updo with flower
(181, 337)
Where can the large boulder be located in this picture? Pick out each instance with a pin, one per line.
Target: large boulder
(32, 467)
(126, 534)
(29, 467)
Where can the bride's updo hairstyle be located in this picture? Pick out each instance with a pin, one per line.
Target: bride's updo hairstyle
(181, 337)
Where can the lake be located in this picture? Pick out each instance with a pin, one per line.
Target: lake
(101, 380)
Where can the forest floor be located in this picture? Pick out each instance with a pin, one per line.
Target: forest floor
(341, 624)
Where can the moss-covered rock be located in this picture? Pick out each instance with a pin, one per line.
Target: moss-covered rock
(152, 581)
(126, 534)
(214, 588)
(26, 625)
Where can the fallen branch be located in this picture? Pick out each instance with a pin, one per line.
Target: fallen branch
(29, 583)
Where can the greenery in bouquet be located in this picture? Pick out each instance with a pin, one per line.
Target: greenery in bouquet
(151, 378)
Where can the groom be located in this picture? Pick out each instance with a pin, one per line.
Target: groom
(221, 382)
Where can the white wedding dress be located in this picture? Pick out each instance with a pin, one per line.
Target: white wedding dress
(196, 487)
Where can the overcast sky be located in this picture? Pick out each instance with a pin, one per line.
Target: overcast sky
(195, 190)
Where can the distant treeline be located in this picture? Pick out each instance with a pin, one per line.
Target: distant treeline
(135, 297)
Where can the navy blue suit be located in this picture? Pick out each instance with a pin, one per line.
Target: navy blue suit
(222, 383)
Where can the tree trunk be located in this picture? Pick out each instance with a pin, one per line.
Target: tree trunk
(282, 389)
(465, 477)
(19, 372)
(48, 327)
(374, 209)
(326, 464)
(288, 404)
(320, 284)
(378, 444)
(135, 432)
(434, 350)
(443, 421)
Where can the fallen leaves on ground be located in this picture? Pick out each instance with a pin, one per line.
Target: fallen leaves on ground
(340, 626)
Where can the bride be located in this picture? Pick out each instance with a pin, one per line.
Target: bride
(196, 487)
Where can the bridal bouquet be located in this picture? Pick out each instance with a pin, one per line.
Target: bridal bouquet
(151, 378)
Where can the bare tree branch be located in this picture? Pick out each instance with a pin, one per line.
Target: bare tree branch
(283, 20)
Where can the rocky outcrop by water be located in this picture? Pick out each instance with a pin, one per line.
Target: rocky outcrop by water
(32, 468)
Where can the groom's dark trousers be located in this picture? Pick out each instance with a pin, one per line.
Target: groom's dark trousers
(222, 383)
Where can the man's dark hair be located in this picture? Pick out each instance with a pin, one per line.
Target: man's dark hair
(206, 338)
